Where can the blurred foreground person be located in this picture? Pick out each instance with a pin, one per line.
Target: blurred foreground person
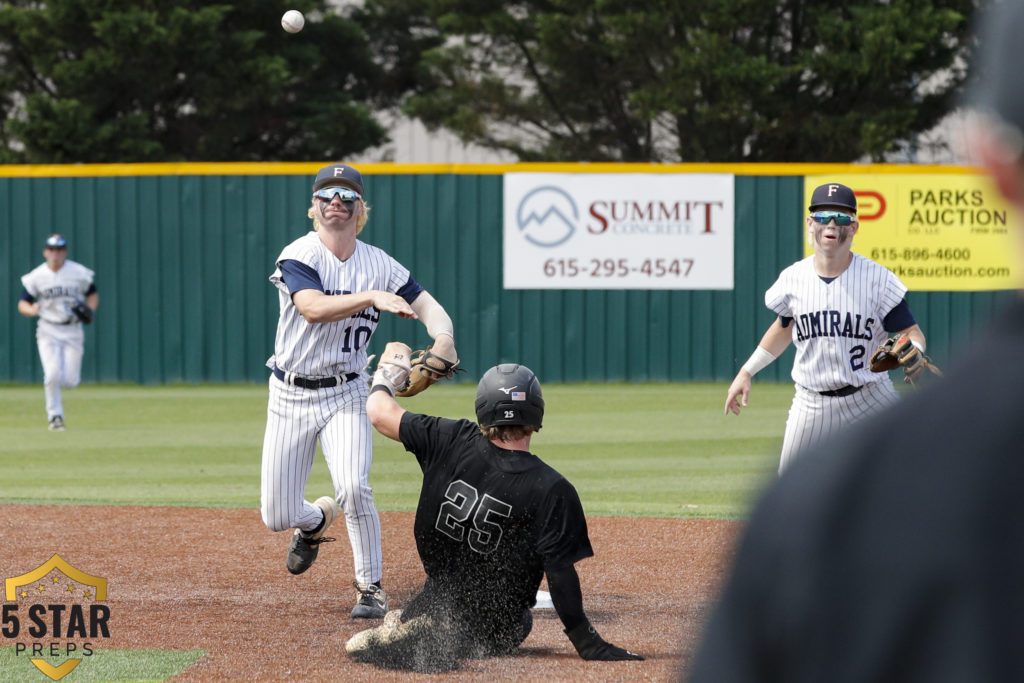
(901, 557)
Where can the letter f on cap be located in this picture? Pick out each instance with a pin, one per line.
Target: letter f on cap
(832, 189)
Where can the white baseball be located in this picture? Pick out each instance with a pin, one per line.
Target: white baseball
(293, 21)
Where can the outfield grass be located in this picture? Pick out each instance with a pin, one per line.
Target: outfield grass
(122, 666)
(659, 450)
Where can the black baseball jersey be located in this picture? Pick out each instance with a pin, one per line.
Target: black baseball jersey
(489, 520)
(900, 556)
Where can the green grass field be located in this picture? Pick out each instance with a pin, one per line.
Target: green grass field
(136, 666)
(656, 450)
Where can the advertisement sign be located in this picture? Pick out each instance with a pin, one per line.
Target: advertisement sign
(618, 231)
(936, 232)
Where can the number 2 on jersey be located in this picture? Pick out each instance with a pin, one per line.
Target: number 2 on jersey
(484, 530)
(856, 353)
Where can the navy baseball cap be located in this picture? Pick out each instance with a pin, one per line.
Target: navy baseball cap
(57, 242)
(339, 175)
(833, 194)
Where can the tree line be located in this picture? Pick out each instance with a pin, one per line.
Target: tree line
(104, 81)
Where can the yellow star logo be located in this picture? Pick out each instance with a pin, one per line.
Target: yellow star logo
(87, 594)
(56, 579)
(24, 593)
(71, 589)
(40, 588)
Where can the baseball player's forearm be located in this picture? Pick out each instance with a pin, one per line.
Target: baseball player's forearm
(917, 336)
(317, 307)
(29, 310)
(432, 314)
(93, 301)
(439, 325)
(567, 596)
(771, 346)
(384, 412)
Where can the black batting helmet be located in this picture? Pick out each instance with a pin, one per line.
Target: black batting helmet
(509, 394)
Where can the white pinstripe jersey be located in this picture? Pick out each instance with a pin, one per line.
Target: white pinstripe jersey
(58, 291)
(836, 325)
(326, 349)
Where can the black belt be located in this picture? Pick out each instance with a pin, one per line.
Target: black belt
(311, 382)
(844, 391)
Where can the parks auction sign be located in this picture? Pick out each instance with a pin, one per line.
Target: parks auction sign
(618, 231)
(936, 232)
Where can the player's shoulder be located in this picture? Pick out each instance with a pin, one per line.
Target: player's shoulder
(35, 272)
(552, 479)
(78, 269)
(446, 427)
(306, 248)
(368, 251)
(797, 269)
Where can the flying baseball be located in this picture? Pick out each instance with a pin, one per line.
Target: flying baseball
(293, 21)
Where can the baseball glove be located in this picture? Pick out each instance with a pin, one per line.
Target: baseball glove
(82, 312)
(898, 352)
(428, 368)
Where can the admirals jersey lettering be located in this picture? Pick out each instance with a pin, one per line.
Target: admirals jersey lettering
(833, 324)
(836, 322)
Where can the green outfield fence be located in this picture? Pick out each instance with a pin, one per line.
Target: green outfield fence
(182, 254)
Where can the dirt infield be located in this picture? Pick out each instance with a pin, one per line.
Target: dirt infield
(210, 579)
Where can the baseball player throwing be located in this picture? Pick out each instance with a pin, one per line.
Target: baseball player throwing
(492, 519)
(837, 308)
(332, 290)
(61, 293)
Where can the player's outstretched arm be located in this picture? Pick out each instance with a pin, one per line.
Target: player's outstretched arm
(567, 597)
(439, 325)
(385, 414)
(392, 375)
(591, 646)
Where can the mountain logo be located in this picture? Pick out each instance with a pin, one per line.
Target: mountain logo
(547, 216)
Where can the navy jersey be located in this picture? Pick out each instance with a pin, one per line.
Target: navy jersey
(489, 520)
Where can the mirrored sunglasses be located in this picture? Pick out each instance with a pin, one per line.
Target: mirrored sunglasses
(841, 219)
(329, 193)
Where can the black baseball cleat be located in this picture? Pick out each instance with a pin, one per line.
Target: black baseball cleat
(303, 549)
(57, 423)
(371, 601)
